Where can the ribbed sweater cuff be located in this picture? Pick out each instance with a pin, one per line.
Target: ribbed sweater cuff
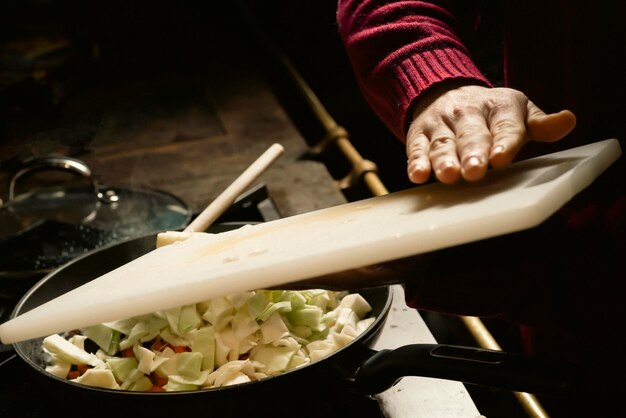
(416, 74)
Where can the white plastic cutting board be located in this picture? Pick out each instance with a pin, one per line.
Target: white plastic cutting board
(342, 237)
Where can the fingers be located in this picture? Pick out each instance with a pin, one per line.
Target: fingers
(551, 127)
(511, 130)
(443, 155)
(418, 163)
(489, 132)
(467, 129)
(435, 153)
(507, 127)
(453, 148)
(473, 144)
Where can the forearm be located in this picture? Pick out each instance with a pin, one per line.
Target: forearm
(400, 49)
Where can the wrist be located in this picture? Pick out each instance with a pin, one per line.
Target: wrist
(436, 90)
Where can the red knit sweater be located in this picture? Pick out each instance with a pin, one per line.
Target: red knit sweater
(559, 53)
(562, 281)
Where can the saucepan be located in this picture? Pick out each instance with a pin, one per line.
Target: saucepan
(367, 371)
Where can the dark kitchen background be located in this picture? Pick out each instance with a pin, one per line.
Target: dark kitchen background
(51, 50)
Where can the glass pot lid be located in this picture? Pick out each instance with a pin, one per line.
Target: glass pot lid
(51, 224)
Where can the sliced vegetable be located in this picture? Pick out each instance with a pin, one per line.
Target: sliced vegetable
(183, 319)
(356, 303)
(68, 352)
(148, 360)
(273, 329)
(101, 378)
(223, 341)
(219, 312)
(308, 315)
(137, 382)
(274, 359)
(107, 338)
(122, 367)
(204, 343)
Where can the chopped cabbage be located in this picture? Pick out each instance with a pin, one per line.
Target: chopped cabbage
(223, 341)
(68, 352)
(101, 378)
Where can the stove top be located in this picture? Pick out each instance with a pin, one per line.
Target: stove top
(26, 392)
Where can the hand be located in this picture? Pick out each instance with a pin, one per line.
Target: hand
(457, 132)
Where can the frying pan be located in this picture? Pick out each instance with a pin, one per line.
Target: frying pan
(367, 371)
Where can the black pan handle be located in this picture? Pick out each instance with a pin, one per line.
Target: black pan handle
(470, 365)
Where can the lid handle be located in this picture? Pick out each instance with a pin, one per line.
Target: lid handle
(52, 162)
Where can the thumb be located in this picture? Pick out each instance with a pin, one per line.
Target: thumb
(548, 127)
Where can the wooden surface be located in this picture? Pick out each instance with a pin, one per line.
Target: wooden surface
(189, 136)
(166, 97)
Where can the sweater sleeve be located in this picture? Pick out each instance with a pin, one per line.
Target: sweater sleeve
(399, 49)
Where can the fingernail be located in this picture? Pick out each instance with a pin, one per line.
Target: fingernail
(417, 166)
(498, 149)
(444, 166)
(473, 162)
